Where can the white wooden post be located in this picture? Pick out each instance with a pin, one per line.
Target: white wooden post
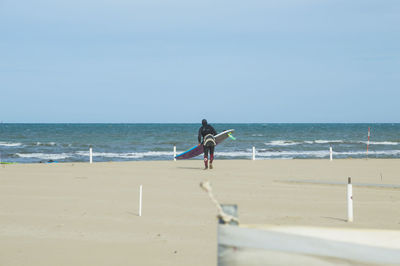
(369, 134)
(140, 200)
(349, 201)
(90, 154)
(174, 153)
(254, 153)
(330, 153)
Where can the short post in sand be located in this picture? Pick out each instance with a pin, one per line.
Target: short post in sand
(349, 201)
(140, 199)
(369, 134)
(175, 153)
(254, 153)
(330, 153)
(90, 154)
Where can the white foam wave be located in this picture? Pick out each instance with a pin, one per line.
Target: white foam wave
(45, 156)
(8, 144)
(127, 155)
(389, 152)
(234, 154)
(290, 142)
(321, 141)
(328, 141)
(351, 153)
(45, 144)
(282, 143)
(380, 143)
(260, 154)
(306, 154)
(277, 154)
(118, 155)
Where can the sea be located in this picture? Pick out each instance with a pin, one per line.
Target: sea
(36, 143)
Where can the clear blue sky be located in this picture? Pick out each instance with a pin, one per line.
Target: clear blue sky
(180, 61)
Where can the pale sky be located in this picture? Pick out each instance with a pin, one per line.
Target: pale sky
(181, 61)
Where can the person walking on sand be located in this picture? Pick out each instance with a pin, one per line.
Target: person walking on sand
(207, 132)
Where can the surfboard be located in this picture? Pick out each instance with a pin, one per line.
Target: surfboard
(198, 149)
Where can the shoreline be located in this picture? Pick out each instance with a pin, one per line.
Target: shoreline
(201, 159)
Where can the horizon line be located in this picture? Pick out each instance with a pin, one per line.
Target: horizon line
(2, 122)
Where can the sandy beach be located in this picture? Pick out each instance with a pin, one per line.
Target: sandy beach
(87, 214)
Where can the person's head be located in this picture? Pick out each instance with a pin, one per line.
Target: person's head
(204, 122)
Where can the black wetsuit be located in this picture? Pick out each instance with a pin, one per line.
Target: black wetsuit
(205, 130)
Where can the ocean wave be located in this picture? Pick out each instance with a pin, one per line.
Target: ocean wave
(117, 155)
(275, 154)
(10, 144)
(388, 152)
(127, 155)
(327, 141)
(306, 154)
(380, 143)
(282, 143)
(323, 153)
(278, 154)
(311, 142)
(260, 154)
(45, 144)
(291, 142)
(45, 156)
(234, 154)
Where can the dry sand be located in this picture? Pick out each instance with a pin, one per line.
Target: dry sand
(87, 214)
